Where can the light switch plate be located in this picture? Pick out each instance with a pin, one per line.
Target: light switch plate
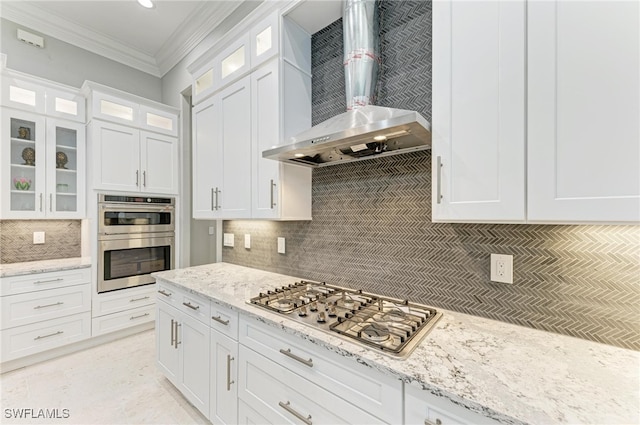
(38, 238)
(247, 241)
(211, 230)
(228, 239)
(502, 268)
(281, 249)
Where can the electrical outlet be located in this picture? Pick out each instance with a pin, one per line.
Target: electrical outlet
(281, 249)
(228, 239)
(212, 230)
(502, 268)
(38, 238)
(247, 241)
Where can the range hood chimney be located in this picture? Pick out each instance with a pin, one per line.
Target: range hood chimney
(364, 131)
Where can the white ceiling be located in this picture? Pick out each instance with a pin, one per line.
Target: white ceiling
(151, 40)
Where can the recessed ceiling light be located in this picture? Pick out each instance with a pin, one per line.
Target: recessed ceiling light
(146, 3)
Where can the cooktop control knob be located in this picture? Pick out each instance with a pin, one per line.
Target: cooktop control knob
(302, 312)
(321, 317)
(332, 311)
(313, 306)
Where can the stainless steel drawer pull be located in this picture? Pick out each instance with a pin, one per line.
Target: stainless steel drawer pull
(191, 306)
(439, 182)
(288, 353)
(48, 305)
(173, 332)
(428, 422)
(47, 336)
(176, 341)
(219, 320)
(165, 293)
(229, 381)
(137, 317)
(51, 202)
(137, 180)
(273, 186)
(144, 178)
(212, 206)
(41, 202)
(286, 406)
(38, 282)
(132, 300)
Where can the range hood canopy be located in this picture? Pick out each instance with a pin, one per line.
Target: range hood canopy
(365, 130)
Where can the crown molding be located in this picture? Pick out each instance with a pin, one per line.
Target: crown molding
(23, 13)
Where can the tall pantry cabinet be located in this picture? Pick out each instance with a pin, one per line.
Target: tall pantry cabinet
(536, 110)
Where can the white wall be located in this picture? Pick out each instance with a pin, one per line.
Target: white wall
(67, 64)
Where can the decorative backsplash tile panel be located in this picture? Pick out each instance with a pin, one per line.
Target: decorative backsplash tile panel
(62, 240)
(372, 228)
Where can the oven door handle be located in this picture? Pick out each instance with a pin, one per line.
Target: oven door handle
(139, 208)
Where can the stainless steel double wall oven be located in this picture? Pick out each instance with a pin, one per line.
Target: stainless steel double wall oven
(136, 236)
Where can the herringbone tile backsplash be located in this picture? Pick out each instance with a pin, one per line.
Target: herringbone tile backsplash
(62, 240)
(372, 228)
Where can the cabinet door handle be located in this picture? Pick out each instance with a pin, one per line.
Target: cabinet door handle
(172, 332)
(176, 340)
(41, 202)
(288, 353)
(212, 206)
(139, 316)
(219, 320)
(163, 292)
(286, 406)
(137, 180)
(144, 178)
(50, 202)
(191, 306)
(47, 336)
(439, 178)
(429, 422)
(47, 305)
(273, 186)
(218, 192)
(132, 300)
(229, 381)
(38, 282)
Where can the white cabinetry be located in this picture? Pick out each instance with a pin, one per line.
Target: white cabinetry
(584, 111)
(43, 311)
(134, 144)
(43, 151)
(484, 138)
(224, 365)
(182, 345)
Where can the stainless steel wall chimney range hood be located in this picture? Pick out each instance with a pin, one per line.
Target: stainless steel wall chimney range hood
(365, 130)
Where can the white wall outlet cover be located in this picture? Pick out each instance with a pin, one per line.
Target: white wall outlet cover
(247, 241)
(228, 239)
(502, 268)
(281, 249)
(212, 230)
(38, 238)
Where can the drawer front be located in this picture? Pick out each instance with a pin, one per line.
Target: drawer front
(123, 320)
(371, 390)
(281, 395)
(196, 307)
(168, 293)
(125, 299)
(224, 320)
(23, 309)
(30, 339)
(41, 281)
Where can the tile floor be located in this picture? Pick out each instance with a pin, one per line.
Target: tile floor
(114, 383)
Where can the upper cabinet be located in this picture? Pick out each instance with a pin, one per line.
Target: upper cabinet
(133, 143)
(42, 150)
(553, 139)
(261, 103)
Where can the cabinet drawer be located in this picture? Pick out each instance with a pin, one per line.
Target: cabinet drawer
(23, 309)
(372, 391)
(126, 299)
(125, 319)
(281, 395)
(30, 339)
(41, 281)
(224, 320)
(168, 293)
(196, 307)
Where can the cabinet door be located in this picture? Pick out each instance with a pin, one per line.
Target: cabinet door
(235, 127)
(65, 169)
(232, 62)
(193, 338)
(159, 167)
(167, 352)
(223, 379)
(478, 111)
(116, 157)
(264, 40)
(265, 134)
(583, 111)
(23, 165)
(207, 158)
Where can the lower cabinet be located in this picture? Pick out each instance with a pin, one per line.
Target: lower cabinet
(223, 379)
(182, 347)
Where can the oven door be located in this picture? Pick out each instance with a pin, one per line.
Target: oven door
(122, 218)
(128, 262)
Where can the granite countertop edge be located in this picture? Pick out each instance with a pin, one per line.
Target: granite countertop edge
(43, 266)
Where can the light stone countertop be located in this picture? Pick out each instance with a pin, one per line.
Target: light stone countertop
(29, 267)
(510, 373)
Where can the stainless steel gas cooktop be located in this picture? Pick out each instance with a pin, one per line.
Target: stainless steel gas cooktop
(390, 325)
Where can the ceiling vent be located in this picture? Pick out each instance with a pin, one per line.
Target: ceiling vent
(31, 39)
